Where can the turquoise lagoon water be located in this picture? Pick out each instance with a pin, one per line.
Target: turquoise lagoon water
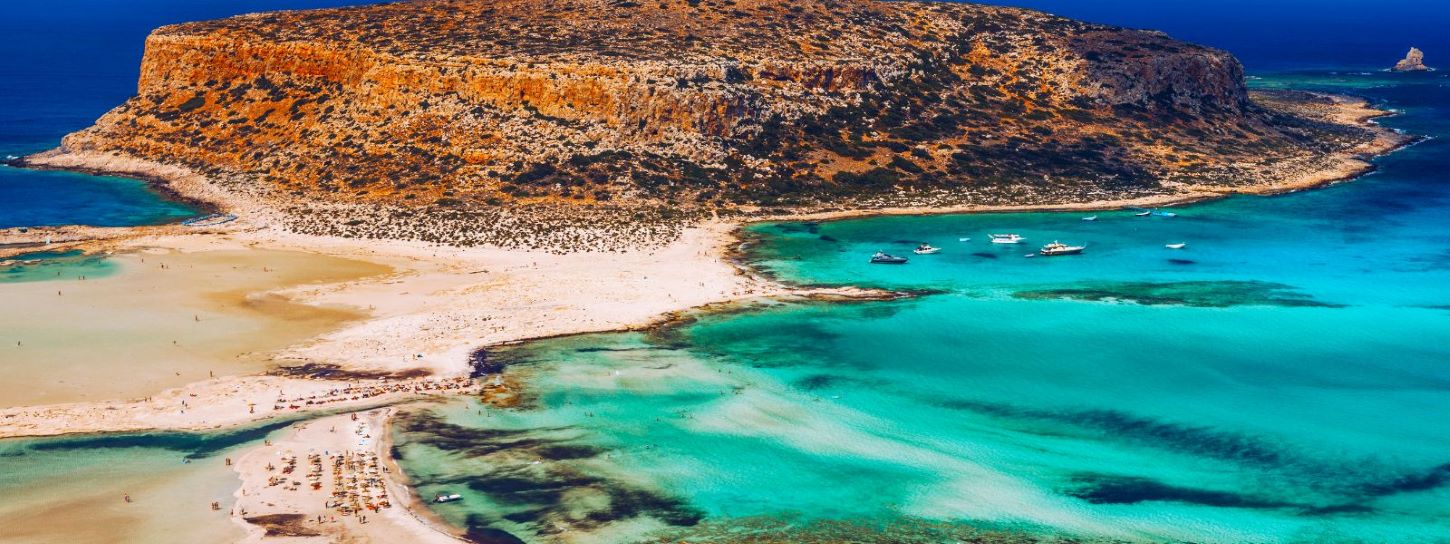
(38, 199)
(49, 265)
(1285, 378)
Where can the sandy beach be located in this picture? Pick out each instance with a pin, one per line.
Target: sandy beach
(434, 307)
(330, 480)
(166, 318)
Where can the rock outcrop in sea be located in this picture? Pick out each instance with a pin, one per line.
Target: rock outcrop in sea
(1414, 61)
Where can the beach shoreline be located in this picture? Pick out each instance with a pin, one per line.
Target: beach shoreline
(196, 189)
(364, 501)
(162, 184)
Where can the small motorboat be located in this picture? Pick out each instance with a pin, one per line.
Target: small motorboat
(1058, 248)
(964, 239)
(884, 258)
(1179, 245)
(1144, 213)
(1006, 238)
(446, 497)
(1090, 218)
(925, 249)
(1164, 214)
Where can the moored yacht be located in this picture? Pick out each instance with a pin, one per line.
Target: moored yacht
(1005, 238)
(925, 249)
(446, 497)
(1059, 248)
(884, 258)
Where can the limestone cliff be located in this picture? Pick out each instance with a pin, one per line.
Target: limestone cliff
(490, 108)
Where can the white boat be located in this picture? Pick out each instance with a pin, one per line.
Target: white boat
(1058, 248)
(1164, 214)
(1144, 213)
(1090, 218)
(1179, 245)
(925, 249)
(1006, 238)
(964, 239)
(450, 497)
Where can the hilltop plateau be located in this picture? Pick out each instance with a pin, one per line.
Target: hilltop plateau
(602, 124)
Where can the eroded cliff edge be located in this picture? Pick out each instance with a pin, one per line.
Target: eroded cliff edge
(594, 123)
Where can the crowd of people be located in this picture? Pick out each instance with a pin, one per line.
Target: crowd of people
(451, 385)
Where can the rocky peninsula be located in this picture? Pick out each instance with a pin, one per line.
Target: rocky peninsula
(600, 125)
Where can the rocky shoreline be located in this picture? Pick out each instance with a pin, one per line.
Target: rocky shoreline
(563, 230)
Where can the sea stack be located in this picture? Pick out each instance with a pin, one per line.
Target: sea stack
(1414, 61)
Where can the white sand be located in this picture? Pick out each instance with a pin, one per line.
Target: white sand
(366, 475)
(165, 319)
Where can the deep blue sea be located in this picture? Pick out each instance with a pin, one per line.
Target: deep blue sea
(1276, 35)
(62, 65)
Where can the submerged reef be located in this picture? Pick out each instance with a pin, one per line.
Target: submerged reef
(895, 530)
(532, 482)
(1203, 294)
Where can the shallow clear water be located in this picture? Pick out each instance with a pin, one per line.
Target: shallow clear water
(51, 265)
(1281, 379)
(73, 489)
